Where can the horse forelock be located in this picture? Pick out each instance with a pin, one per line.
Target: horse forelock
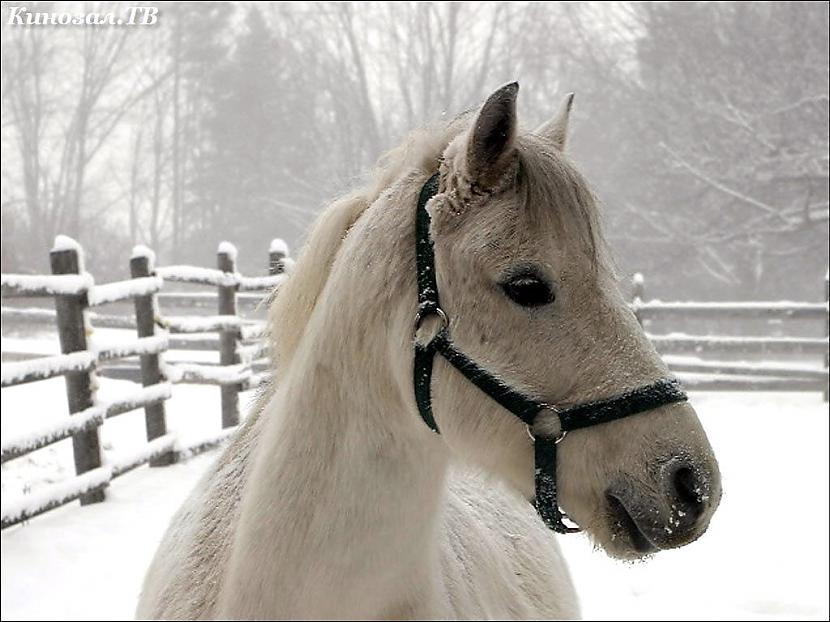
(557, 197)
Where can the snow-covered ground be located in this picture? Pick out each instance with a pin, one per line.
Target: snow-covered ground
(765, 555)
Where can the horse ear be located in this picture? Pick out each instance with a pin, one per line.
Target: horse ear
(491, 138)
(556, 130)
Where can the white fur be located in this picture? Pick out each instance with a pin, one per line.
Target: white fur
(335, 500)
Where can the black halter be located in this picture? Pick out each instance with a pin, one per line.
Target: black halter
(663, 391)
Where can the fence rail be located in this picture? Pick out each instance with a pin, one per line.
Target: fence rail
(742, 310)
(75, 292)
(682, 351)
(243, 362)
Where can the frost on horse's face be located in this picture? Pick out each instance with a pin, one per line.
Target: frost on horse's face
(525, 277)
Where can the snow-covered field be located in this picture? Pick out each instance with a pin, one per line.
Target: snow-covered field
(765, 555)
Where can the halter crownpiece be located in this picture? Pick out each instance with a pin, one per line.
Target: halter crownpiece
(663, 391)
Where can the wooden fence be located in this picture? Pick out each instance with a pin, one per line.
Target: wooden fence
(243, 353)
(240, 344)
(709, 362)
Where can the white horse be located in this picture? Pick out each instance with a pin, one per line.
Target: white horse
(334, 500)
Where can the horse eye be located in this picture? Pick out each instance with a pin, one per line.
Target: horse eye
(528, 290)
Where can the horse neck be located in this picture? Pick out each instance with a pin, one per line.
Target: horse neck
(341, 506)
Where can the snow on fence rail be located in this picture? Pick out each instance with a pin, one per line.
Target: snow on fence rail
(94, 416)
(74, 291)
(46, 367)
(781, 309)
(33, 285)
(121, 290)
(798, 345)
(718, 375)
(50, 366)
(218, 278)
(23, 507)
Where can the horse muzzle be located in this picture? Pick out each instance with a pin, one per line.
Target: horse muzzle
(668, 512)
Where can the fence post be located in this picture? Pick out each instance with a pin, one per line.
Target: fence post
(228, 355)
(70, 310)
(826, 326)
(142, 263)
(638, 291)
(276, 253)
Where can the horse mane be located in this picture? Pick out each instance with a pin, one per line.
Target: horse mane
(296, 298)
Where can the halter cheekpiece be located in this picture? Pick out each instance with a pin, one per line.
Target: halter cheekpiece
(663, 391)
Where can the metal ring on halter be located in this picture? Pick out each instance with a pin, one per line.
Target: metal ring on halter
(562, 433)
(419, 317)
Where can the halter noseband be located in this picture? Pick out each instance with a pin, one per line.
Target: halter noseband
(663, 391)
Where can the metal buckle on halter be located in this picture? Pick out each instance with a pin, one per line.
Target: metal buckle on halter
(421, 315)
(562, 433)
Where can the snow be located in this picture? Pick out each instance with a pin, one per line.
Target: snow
(702, 381)
(250, 353)
(124, 461)
(41, 499)
(138, 398)
(211, 441)
(63, 428)
(226, 248)
(46, 367)
(755, 368)
(254, 283)
(142, 345)
(192, 324)
(679, 337)
(193, 414)
(47, 284)
(278, 245)
(743, 306)
(210, 276)
(253, 331)
(142, 251)
(191, 372)
(122, 290)
(765, 555)
(88, 563)
(196, 274)
(773, 306)
(65, 243)
(679, 359)
(638, 278)
(42, 435)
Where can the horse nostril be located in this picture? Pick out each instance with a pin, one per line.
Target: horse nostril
(689, 490)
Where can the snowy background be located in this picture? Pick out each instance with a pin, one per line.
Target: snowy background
(703, 127)
(765, 555)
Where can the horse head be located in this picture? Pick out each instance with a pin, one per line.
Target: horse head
(528, 293)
